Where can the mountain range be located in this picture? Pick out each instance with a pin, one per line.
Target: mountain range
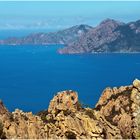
(109, 36)
(61, 37)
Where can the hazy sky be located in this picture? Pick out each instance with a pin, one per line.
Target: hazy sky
(55, 15)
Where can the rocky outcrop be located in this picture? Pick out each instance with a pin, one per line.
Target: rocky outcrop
(61, 37)
(19, 125)
(135, 98)
(108, 36)
(115, 116)
(115, 106)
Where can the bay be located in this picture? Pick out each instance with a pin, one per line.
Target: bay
(31, 75)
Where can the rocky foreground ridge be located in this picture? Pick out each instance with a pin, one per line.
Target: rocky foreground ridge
(115, 116)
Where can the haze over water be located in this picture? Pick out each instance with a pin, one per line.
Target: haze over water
(56, 15)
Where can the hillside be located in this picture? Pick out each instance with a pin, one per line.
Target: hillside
(61, 37)
(108, 36)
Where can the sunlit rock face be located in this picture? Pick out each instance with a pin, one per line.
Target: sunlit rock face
(65, 100)
(115, 116)
(135, 98)
(115, 106)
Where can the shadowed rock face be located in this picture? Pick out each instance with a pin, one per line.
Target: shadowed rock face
(115, 116)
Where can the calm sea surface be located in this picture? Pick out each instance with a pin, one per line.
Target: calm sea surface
(31, 75)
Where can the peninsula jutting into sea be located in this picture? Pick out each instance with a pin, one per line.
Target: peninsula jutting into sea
(110, 36)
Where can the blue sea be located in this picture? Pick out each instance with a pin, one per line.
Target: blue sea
(31, 75)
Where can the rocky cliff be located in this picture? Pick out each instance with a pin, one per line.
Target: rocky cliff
(108, 36)
(115, 116)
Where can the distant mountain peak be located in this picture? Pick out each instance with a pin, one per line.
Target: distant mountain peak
(84, 26)
(109, 36)
(111, 21)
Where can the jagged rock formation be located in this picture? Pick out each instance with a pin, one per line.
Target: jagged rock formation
(108, 36)
(115, 116)
(115, 106)
(61, 37)
(19, 125)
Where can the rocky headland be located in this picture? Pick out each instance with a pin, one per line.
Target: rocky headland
(110, 36)
(115, 116)
(65, 36)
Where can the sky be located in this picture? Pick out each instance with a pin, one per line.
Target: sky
(63, 14)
